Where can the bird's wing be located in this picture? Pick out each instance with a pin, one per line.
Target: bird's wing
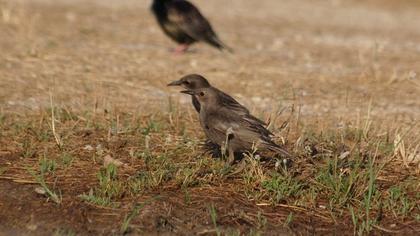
(190, 20)
(253, 129)
(247, 130)
(254, 119)
(230, 103)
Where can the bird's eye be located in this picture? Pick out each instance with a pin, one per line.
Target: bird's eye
(201, 94)
(186, 82)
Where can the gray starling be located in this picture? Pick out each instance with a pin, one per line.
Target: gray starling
(194, 81)
(235, 131)
(183, 23)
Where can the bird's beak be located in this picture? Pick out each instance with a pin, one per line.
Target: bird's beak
(189, 92)
(175, 83)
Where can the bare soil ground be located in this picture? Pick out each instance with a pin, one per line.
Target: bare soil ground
(82, 81)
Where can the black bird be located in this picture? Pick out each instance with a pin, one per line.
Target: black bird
(184, 23)
(236, 132)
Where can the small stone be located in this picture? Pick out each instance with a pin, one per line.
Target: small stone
(32, 227)
(344, 155)
(40, 190)
(88, 148)
(99, 149)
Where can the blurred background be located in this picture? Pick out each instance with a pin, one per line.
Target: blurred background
(325, 56)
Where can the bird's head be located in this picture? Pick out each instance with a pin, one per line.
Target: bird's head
(190, 82)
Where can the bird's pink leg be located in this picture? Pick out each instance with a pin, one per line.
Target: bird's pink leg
(181, 49)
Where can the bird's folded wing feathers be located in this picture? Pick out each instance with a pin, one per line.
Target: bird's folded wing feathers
(189, 19)
(248, 131)
(231, 103)
(220, 124)
(244, 127)
(235, 106)
(247, 121)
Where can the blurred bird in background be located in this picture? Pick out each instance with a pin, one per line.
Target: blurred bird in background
(184, 24)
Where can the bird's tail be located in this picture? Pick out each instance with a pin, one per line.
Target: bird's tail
(216, 42)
